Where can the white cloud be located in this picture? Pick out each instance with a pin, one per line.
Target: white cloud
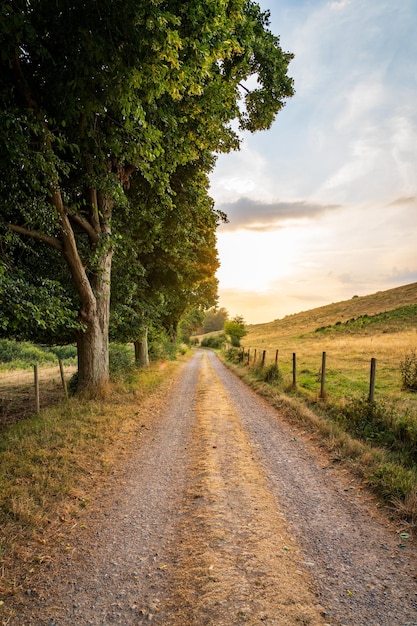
(341, 158)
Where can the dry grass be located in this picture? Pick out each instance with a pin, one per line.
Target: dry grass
(52, 464)
(349, 352)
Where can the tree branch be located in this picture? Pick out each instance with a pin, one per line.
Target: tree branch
(245, 88)
(85, 225)
(52, 241)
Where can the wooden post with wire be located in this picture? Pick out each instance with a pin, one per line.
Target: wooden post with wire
(294, 369)
(64, 382)
(372, 380)
(323, 376)
(37, 400)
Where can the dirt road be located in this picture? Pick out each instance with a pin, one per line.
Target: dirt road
(225, 515)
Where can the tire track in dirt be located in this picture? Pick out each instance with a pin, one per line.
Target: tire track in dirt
(234, 560)
(363, 571)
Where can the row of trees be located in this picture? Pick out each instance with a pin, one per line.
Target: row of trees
(111, 115)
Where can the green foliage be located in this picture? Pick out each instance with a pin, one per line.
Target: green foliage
(190, 324)
(269, 374)
(408, 370)
(161, 345)
(121, 357)
(25, 354)
(34, 308)
(64, 352)
(98, 97)
(234, 355)
(389, 321)
(214, 341)
(378, 423)
(214, 319)
(236, 329)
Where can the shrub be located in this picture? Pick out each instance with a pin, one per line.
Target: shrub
(234, 355)
(214, 341)
(121, 358)
(271, 374)
(64, 352)
(408, 370)
(25, 352)
(161, 346)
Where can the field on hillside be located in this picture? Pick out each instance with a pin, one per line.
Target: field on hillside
(381, 326)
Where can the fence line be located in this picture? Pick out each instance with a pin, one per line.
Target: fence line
(24, 392)
(245, 356)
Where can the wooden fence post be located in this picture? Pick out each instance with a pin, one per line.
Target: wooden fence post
(254, 357)
(36, 376)
(372, 381)
(294, 369)
(263, 358)
(64, 383)
(323, 375)
(248, 355)
(276, 359)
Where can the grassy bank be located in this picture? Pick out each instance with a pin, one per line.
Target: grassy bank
(54, 464)
(377, 439)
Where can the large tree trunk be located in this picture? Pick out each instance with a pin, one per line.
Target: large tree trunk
(93, 289)
(141, 350)
(93, 343)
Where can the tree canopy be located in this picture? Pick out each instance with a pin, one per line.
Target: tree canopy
(100, 97)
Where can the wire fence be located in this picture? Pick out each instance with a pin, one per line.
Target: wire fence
(326, 374)
(25, 392)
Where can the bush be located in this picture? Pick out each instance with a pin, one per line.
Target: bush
(24, 352)
(269, 374)
(380, 424)
(64, 353)
(234, 355)
(408, 369)
(161, 346)
(121, 358)
(214, 341)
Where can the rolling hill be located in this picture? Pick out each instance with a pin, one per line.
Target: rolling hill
(308, 321)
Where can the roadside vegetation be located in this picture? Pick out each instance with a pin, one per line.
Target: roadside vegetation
(53, 465)
(377, 438)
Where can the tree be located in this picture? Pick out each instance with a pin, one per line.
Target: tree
(215, 319)
(236, 329)
(174, 266)
(91, 93)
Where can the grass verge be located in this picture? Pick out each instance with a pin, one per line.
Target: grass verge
(53, 465)
(382, 457)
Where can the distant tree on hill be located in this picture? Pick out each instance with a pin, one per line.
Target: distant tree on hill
(236, 329)
(215, 319)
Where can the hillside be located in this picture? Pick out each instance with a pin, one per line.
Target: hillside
(308, 321)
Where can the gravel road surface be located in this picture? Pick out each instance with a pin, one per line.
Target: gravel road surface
(224, 514)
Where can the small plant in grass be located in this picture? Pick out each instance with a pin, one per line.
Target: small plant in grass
(408, 370)
(234, 355)
(269, 374)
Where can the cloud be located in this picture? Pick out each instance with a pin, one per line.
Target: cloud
(339, 4)
(404, 201)
(250, 214)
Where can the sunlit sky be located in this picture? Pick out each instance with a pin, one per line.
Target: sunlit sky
(323, 206)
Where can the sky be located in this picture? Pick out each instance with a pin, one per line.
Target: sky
(323, 206)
